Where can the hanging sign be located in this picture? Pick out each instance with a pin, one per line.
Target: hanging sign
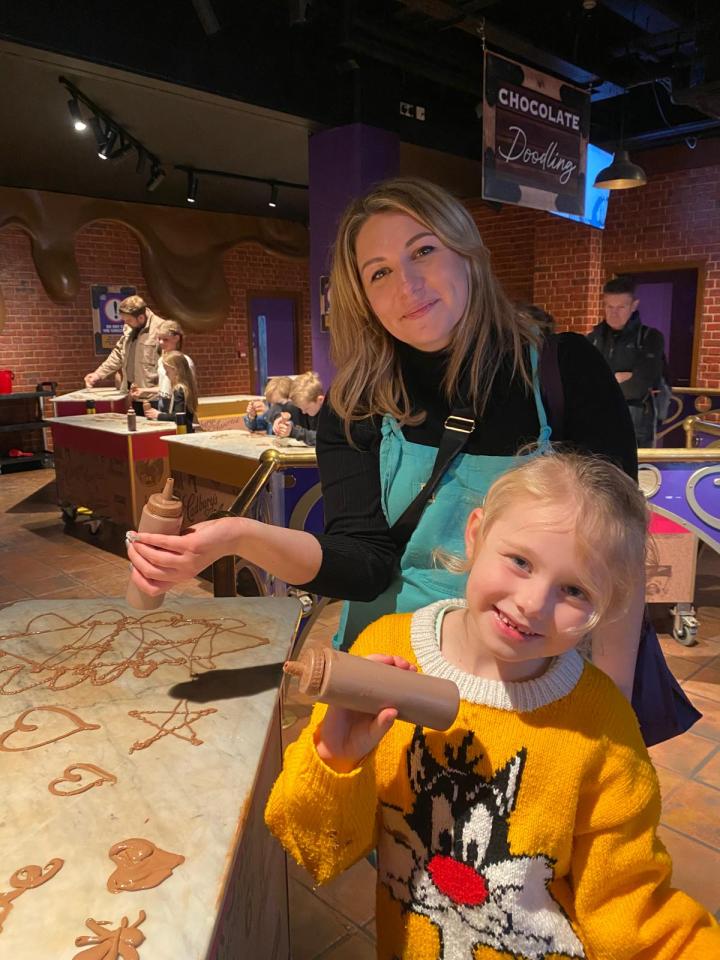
(535, 136)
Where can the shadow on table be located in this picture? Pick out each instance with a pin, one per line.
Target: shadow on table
(227, 684)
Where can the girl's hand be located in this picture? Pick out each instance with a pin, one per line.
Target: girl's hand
(150, 412)
(161, 560)
(282, 425)
(346, 736)
(135, 391)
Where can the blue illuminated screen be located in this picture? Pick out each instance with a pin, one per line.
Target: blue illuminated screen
(596, 200)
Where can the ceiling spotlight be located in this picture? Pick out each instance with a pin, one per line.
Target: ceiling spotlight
(106, 149)
(192, 186)
(272, 202)
(157, 175)
(78, 122)
(622, 174)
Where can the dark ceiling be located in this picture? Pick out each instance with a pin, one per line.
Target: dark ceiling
(239, 86)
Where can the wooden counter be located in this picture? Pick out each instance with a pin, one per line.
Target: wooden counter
(103, 466)
(178, 712)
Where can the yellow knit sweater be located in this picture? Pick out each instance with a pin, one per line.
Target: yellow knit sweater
(528, 830)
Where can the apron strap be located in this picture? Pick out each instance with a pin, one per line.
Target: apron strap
(458, 428)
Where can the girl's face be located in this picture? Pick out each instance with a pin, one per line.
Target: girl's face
(525, 599)
(168, 341)
(416, 286)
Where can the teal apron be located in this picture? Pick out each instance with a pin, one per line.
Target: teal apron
(404, 469)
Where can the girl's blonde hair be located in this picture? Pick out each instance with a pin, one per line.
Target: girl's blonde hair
(368, 379)
(306, 388)
(177, 362)
(610, 514)
(279, 385)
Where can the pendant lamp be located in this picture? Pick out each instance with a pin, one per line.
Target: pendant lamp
(622, 174)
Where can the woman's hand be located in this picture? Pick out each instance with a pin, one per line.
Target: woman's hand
(149, 411)
(346, 736)
(134, 392)
(282, 425)
(161, 561)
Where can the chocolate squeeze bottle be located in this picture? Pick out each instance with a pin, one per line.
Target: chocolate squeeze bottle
(357, 683)
(163, 513)
(131, 420)
(90, 406)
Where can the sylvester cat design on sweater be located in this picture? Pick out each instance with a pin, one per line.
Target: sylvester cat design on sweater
(449, 860)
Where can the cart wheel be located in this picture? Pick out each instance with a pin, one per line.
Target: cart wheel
(94, 526)
(69, 514)
(686, 633)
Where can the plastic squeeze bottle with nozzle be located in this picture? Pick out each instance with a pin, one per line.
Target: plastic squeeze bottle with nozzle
(163, 513)
(369, 686)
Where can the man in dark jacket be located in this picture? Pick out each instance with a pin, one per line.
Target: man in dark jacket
(634, 352)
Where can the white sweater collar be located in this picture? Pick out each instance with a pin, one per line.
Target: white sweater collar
(558, 680)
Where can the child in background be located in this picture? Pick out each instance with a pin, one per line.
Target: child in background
(307, 395)
(184, 390)
(529, 828)
(260, 416)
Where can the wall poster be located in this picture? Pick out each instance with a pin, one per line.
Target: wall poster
(107, 325)
(535, 137)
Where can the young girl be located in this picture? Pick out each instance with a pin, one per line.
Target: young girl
(259, 416)
(184, 390)
(529, 828)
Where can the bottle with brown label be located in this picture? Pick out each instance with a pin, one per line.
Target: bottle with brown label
(356, 683)
(163, 513)
(131, 420)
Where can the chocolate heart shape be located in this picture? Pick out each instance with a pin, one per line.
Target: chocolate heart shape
(21, 727)
(70, 776)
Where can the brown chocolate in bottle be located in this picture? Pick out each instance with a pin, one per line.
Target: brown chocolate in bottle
(357, 683)
(163, 513)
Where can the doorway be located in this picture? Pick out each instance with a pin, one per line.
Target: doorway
(668, 302)
(275, 336)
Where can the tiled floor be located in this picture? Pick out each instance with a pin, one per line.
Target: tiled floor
(336, 922)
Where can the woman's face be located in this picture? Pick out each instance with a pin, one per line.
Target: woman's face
(417, 287)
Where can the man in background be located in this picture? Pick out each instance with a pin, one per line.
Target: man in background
(634, 352)
(136, 353)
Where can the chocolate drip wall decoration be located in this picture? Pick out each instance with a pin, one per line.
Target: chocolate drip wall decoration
(182, 251)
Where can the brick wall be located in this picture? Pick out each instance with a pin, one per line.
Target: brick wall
(562, 265)
(43, 340)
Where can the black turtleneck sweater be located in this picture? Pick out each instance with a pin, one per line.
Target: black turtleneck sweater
(359, 556)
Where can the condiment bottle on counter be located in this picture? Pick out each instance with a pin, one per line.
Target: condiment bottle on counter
(132, 420)
(181, 422)
(357, 683)
(90, 406)
(163, 513)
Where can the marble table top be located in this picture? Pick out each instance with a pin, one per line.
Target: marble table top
(173, 759)
(236, 443)
(112, 423)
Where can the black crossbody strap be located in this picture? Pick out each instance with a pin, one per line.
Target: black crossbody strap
(551, 386)
(458, 427)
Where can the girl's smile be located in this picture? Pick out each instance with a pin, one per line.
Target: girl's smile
(527, 594)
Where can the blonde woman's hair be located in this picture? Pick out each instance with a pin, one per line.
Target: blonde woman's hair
(279, 385)
(610, 514)
(369, 379)
(306, 388)
(176, 361)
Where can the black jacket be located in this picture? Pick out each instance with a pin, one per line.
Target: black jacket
(635, 349)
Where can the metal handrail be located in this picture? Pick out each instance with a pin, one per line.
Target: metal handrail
(692, 424)
(270, 461)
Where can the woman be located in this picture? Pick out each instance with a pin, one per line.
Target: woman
(169, 338)
(420, 327)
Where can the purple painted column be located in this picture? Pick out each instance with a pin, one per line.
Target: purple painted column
(344, 163)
